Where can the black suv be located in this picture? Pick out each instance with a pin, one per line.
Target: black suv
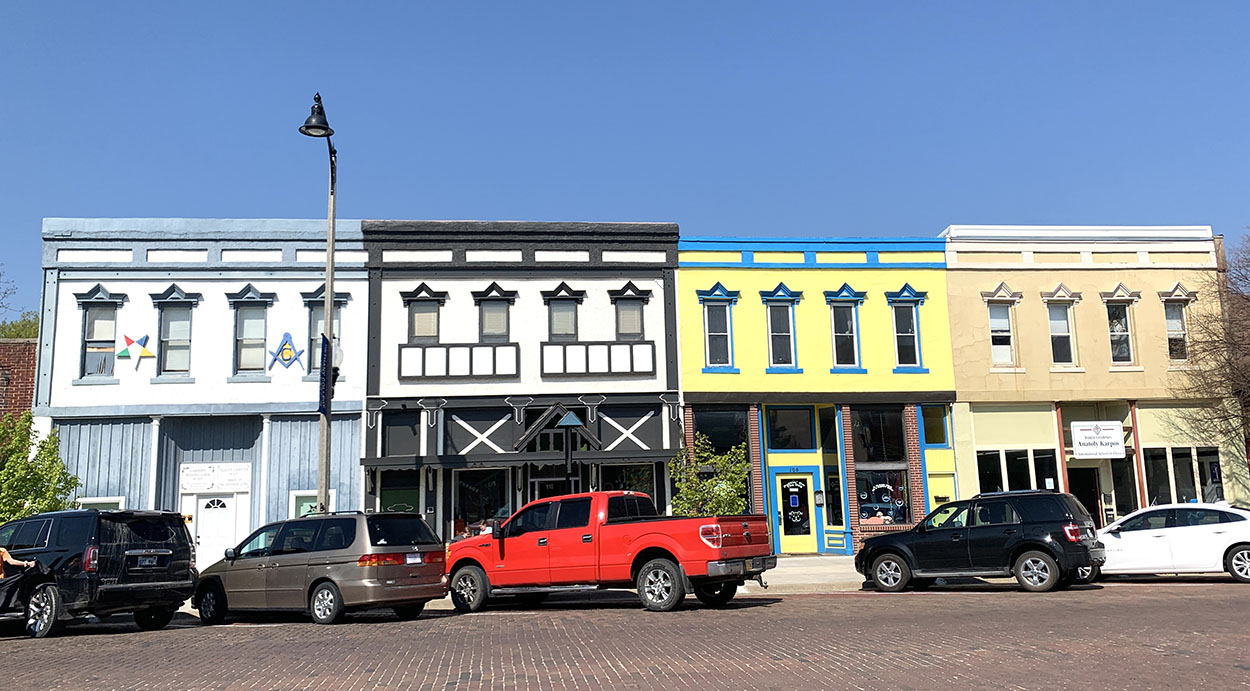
(1040, 537)
(102, 563)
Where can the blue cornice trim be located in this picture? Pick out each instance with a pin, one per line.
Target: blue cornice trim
(906, 294)
(845, 294)
(781, 293)
(718, 292)
(812, 265)
(812, 244)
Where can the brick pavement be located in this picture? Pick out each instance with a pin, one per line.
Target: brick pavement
(1131, 635)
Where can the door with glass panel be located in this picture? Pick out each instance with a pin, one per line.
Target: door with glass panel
(797, 531)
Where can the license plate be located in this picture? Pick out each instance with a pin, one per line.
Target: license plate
(147, 561)
(413, 558)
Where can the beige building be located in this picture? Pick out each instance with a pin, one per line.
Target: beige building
(1069, 346)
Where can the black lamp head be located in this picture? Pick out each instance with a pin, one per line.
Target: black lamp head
(316, 125)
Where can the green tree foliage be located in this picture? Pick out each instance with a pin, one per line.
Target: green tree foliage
(722, 491)
(31, 484)
(25, 326)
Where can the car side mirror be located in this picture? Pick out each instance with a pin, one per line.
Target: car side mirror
(920, 528)
(231, 554)
(496, 528)
(1114, 531)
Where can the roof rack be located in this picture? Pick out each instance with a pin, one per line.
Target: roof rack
(1016, 492)
(332, 513)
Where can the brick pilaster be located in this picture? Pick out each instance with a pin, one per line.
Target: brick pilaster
(17, 374)
(852, 494)
(915, 470)
(687, 429)
(755, 451)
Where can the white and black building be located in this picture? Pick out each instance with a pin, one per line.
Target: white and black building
(482, 335)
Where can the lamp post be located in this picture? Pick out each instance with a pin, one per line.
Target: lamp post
(316, 126)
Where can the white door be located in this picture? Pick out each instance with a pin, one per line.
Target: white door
(1140, 545)
(214, 527)
(1199, 540)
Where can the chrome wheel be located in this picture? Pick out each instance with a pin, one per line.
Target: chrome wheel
(208, 604)
(39, 611)
(1240, 564)
(1035, 571)
(466, 586)
(659, 585)
(1083, 572)
(889, 573)
(323, 603)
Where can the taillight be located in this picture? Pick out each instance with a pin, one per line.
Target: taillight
(434, 557)
(380, 560)
(1072, 531)
(711, 535)
(91, 558)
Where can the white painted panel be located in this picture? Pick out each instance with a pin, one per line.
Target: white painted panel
(319, 256)
(178, 256)
(576, 356)
(458, 362)
(93, 255)
(598, 358)
(620, 357)
(483, 361)
(410, 362)
(416, 255)
(266, 256)
(562, 255)
(655, 257)
(493, 255)
(643, 357)
(435, 362)
(505, 361)
(553, 359)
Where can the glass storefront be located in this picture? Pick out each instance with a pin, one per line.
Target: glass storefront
(635, 477)
(479, 496)
(833, 469)
(881, 477)
(883, 496)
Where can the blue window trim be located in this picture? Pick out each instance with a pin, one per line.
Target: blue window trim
(846, 295)
(846, 507)
(766, 434)
(924, 466)
(718, 294)
(946, 423)
(911, 370)
(782, 295)
(847, 370)
(907, 295)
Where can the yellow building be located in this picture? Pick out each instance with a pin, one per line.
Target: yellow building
(831, 358)
(1070, 344)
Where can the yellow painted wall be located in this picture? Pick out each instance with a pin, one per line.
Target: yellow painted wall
(813, 330)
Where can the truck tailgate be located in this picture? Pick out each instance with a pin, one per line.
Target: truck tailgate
(744, 536)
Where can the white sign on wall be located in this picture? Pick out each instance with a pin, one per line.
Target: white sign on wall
(195, 478)
(1098, 439)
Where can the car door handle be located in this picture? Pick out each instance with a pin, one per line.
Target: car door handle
(542, 542)
(260, 567)
(588, 538)
(956, 537)
(1009, 531)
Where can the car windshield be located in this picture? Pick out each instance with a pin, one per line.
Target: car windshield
(399, 529)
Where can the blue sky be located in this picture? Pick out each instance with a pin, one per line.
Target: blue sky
(730, 118)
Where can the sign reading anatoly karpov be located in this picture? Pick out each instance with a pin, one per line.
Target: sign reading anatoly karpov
(1098, 439)
(195, 478)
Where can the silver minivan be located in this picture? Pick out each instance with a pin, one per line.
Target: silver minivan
(328, 565)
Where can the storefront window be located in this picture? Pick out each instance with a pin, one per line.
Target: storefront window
(878, 434)
(1124, 480)
(400, 490)
(989, 471)
(480, 495)
(829, 446)
(724, 427)
(790, 429)
(883, 496)
(638, 477)
(1209, 475)
(1018, 470)
(1158, 486)
(934, 417)
(1045, 470)
(1183, 474)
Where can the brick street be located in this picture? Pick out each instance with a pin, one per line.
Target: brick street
(1186, 634)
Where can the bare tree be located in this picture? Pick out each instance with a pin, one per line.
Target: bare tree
(1219, 354)
(7, 291)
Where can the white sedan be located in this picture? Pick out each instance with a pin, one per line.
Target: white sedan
(1177, 538)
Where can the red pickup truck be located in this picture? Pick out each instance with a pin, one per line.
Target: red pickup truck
(609, 540)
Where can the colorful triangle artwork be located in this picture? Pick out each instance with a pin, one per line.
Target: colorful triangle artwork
(141, 349)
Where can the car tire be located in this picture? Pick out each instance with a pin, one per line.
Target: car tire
(890, 573)
(44, 610)
(1067, 580)
(326, 604)
(213, 607)
(715, 594)
(154, 618)
(469, 589)
(409, 612)
(1037, 572)
(661, 587)
(1238, 563)
(1088, 574)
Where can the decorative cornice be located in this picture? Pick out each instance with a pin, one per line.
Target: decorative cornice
(846, 294)
(319, 295)
(563, 292)
(1178, 293)
(249, 293)
(1061, 293)
(100, 295)
(1121, 294)
(494, 292)
(175, 295)
(629, 291)
(906, 294)
(718, 293)
(424, 292)
(1002, 293)
(781, 293)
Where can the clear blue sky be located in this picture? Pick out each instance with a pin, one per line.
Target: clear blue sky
(870, 118)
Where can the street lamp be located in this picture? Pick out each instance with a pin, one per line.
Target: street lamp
(316, 126)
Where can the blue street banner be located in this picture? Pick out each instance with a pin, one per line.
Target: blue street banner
(323, 399)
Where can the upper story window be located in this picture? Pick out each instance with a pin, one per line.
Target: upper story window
(629, 301)
(493, 307)
(1176, 317)
(1119, 304)
(844, 318)
(718, 347)
(175, 305)
(1000, 302)
(250, 309)
(423, 308)
(315, 302)
(779, 303)
(562, 312)
(905, 308)
(99, 308)
(1059, 303)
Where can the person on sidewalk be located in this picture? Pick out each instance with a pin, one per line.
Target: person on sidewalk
(6, 558)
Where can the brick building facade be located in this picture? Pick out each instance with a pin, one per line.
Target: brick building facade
(17, 374)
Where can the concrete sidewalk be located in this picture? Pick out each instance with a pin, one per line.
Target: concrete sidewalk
(809, 574)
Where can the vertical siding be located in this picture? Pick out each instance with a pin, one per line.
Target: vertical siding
(205, 440)
(293, 461)
(111, 457)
